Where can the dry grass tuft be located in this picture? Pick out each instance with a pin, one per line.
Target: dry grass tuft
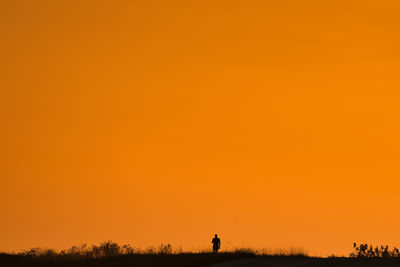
(285, 252)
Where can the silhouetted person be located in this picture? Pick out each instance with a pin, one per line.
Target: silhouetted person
(216, 244)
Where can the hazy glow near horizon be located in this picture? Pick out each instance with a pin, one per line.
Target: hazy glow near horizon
(271, 123)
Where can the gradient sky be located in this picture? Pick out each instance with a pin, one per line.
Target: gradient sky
(272, 123)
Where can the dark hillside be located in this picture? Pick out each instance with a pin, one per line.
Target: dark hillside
(139, 260)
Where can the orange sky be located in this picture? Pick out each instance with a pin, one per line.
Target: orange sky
(272, 123)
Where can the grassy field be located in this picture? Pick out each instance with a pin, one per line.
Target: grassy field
(112, 254)
(231, 259)
(183, 259)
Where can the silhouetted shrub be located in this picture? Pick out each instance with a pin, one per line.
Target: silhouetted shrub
(165, 249)
(106, 249)
(368, 251)
(151, 250)
(126, 250)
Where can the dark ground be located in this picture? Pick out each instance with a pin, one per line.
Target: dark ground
(137, 260)
(270, 261)
(203, 259)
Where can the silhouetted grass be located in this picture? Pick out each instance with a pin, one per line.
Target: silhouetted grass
(285, 252)
(112, 254)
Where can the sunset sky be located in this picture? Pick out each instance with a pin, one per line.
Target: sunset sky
(271, 123)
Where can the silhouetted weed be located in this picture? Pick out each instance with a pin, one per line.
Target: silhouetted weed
(368, 251)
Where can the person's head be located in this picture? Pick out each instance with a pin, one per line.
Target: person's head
(216, 235)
